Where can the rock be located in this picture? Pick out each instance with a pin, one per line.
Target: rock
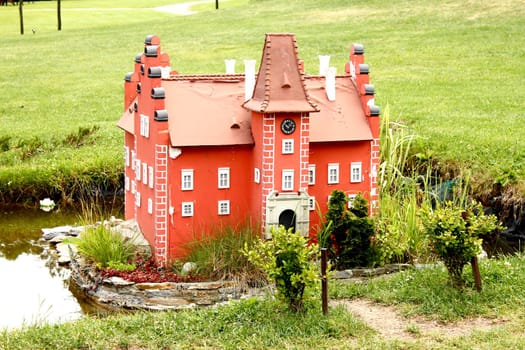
(118, 281)
(50, 233)
(57, 239)
(64, 251)
(188, 268)
(343, 274)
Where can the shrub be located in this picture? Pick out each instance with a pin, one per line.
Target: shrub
(105, 248)
(455, 235)
(348, 232)
(290, 262)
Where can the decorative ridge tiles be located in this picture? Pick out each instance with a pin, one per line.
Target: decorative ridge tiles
(280, 85)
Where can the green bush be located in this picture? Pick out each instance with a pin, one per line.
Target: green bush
(455, 235)
(348, 232)
(105, 248)
(289, 261)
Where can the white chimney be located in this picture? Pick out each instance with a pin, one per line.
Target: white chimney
(249, 78)
(324, 63)
(330, 83)
(230, 66)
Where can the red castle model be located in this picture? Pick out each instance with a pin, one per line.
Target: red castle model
(203, 151)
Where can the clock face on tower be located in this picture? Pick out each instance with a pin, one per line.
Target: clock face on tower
(288, 126)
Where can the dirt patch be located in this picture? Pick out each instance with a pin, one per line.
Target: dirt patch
(389, 323)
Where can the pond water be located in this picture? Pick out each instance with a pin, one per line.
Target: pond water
(34, 289)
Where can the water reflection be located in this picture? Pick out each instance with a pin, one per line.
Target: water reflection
(34, 288)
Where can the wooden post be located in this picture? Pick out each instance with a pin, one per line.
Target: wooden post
(21, 15)
(324, 280)
(476, 273)
(216, 4)
(59, 15)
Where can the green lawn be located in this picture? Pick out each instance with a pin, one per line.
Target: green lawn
(451, 70)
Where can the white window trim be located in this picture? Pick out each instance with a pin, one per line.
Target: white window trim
(150, 176)
(257, 175)
(311, 203)
(187, 209)
(126, 155)
(287, 173)
(351, 198)
(144, 125)
(311, 174)
(137, 199)
(223, 172)
(333, 167)
(287, 146)
(144, 173)
(126, 183)
(183, 185)
(359, 167)
(223, 207)
(150, 206)
(137, 169)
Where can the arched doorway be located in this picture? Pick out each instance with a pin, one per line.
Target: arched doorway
(287, 219)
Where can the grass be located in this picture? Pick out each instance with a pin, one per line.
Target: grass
(218, 255)
(453, 75)
(266, 324)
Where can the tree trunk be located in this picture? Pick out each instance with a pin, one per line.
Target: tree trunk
(21, 14)
(59, 15)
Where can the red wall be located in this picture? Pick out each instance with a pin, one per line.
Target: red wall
(321, 154)
(205, 162)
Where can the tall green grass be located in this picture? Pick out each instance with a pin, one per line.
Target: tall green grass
(104, 247)
(219, 255)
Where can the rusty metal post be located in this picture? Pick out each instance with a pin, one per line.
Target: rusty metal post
(476, 273)
(324, 280)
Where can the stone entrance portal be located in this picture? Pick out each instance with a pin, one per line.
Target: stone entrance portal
(289, 209)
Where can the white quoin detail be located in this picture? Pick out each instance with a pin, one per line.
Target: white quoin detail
(249, 78)
(352, 69)
(330, 83)
(230, 66)
(370, 103)
(324, 63)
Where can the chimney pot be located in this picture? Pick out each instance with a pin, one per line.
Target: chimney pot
(158, 93)
(151, 51)
(363, 68)
(161, 115)
(154, 72)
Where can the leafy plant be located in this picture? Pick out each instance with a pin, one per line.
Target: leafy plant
(104, 247)
(289, 261)
(348, 232)
(455, 235)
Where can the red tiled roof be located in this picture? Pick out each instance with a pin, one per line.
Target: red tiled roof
(280, 84)
(126, 121)
(206, 110)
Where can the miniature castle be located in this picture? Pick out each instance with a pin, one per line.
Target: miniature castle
(205, 150)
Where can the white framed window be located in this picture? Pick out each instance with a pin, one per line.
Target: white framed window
(126, 183)
(144, 125)
(150, 206)
(186, 179)
(223, 207)
(137, 199)
(311, 203)
(333, 173)
(126, 155)
(311, 174)
(150, 176)
(287, 180)
(137, 169)
(356, 172)
(144, 173)
(133, 158)
(256, 175)
(187, 209)
(223, 178)
(287, 146)
(133, 186)
(351, 198)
